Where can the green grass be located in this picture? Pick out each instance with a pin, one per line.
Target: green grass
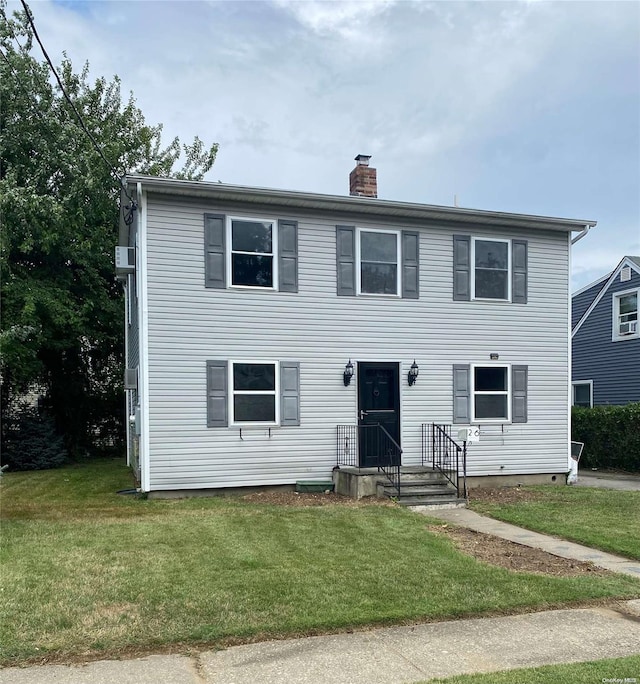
(594, 672)
(604, 519)
(87, 571)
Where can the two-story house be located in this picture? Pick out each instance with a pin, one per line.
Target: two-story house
(264, 325)
(606, 338)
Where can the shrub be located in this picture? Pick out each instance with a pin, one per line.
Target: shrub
(30, 440)
(611, 436)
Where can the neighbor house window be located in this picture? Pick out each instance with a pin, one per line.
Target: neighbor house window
(491, 265)
(582, 393)
(252, 253)
(490, 393)
(379, 256)
(254, 391)
(625, 315)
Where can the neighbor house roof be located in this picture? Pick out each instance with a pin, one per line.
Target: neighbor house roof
(632, 261)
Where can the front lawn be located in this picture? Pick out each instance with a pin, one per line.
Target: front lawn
(85, 571)
(602, 518)
(612, 670)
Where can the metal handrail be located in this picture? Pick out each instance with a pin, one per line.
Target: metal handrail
(437, 439)
(347, 450)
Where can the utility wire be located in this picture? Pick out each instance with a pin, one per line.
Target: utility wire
(116, 175)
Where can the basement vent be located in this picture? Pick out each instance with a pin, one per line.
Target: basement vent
(625, 274)
(131, 379)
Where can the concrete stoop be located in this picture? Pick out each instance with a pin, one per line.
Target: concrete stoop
(419, 486)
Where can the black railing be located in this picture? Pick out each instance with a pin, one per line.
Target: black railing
(381, 448)
(444, 454)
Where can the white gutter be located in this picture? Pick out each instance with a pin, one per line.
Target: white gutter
(582, 234)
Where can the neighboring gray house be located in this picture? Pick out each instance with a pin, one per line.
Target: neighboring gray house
(260, 320)
(606, 338)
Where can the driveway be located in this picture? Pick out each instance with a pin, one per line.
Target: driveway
(606, 480)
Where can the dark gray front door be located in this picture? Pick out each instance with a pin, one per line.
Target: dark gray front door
(378, 403)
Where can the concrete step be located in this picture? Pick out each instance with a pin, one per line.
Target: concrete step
(433, 501)
(413, 490)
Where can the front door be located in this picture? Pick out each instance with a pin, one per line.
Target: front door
(378, 403)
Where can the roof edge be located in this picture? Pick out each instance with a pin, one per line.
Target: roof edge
(348, 204)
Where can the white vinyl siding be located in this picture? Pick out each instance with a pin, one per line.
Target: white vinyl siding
(190, 324)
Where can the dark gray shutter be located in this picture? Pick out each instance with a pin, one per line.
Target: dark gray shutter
(217, 394)
(289, 393)
(461, 393)
(214, 257)
(288, 256)
(410, 264)
(519, 379)
(346, 260)
(519, 271)
(462, 267)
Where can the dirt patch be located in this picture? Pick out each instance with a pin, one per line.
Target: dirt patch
(504, 495)
(512, 556)
(276, 498)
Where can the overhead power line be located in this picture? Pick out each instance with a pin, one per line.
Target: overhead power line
(112, 169)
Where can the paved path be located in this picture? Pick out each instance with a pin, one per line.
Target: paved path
(558, 547)
(604, 480)
(396, 655)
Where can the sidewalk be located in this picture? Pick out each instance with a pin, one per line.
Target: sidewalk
(558, 547)
(396, 655)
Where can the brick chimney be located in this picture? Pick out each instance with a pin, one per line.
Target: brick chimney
(363, 181)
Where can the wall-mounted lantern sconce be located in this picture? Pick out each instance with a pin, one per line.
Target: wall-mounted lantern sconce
(494, 357)
(413, 373)
(348, 374)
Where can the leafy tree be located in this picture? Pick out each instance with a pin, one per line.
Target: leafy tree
(62, 310)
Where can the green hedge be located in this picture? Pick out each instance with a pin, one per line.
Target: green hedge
(611, 436)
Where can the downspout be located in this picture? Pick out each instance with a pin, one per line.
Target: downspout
(582, 234)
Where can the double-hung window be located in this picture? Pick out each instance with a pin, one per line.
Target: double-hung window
(254, 390)
(490, 394)
(253, 246)
(491, 267)
(625, 315)
(379, 259)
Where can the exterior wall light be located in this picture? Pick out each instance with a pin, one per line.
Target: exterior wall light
(348, 374)
(413, 373)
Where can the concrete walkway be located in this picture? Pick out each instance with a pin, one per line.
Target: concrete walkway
(605, 480)
(397, 655)
(463, 517)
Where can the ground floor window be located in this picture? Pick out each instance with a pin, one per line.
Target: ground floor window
(254, 390)
(582, 393)
(490, 393)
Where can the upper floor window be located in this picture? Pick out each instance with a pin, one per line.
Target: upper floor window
(491, 265)
(252, 249)
(379, 256)
(250, 252)
(625, 315)
(490, 269)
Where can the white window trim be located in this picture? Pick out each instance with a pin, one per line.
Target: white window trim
(615, 307)
(231, 393)
(398, 235)
(473, 269)
(229, 251)
(507, 393)
(573, 391)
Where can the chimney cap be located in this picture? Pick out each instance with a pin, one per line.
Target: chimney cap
(363, 159)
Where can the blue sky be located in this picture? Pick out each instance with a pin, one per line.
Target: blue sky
(529, 107)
